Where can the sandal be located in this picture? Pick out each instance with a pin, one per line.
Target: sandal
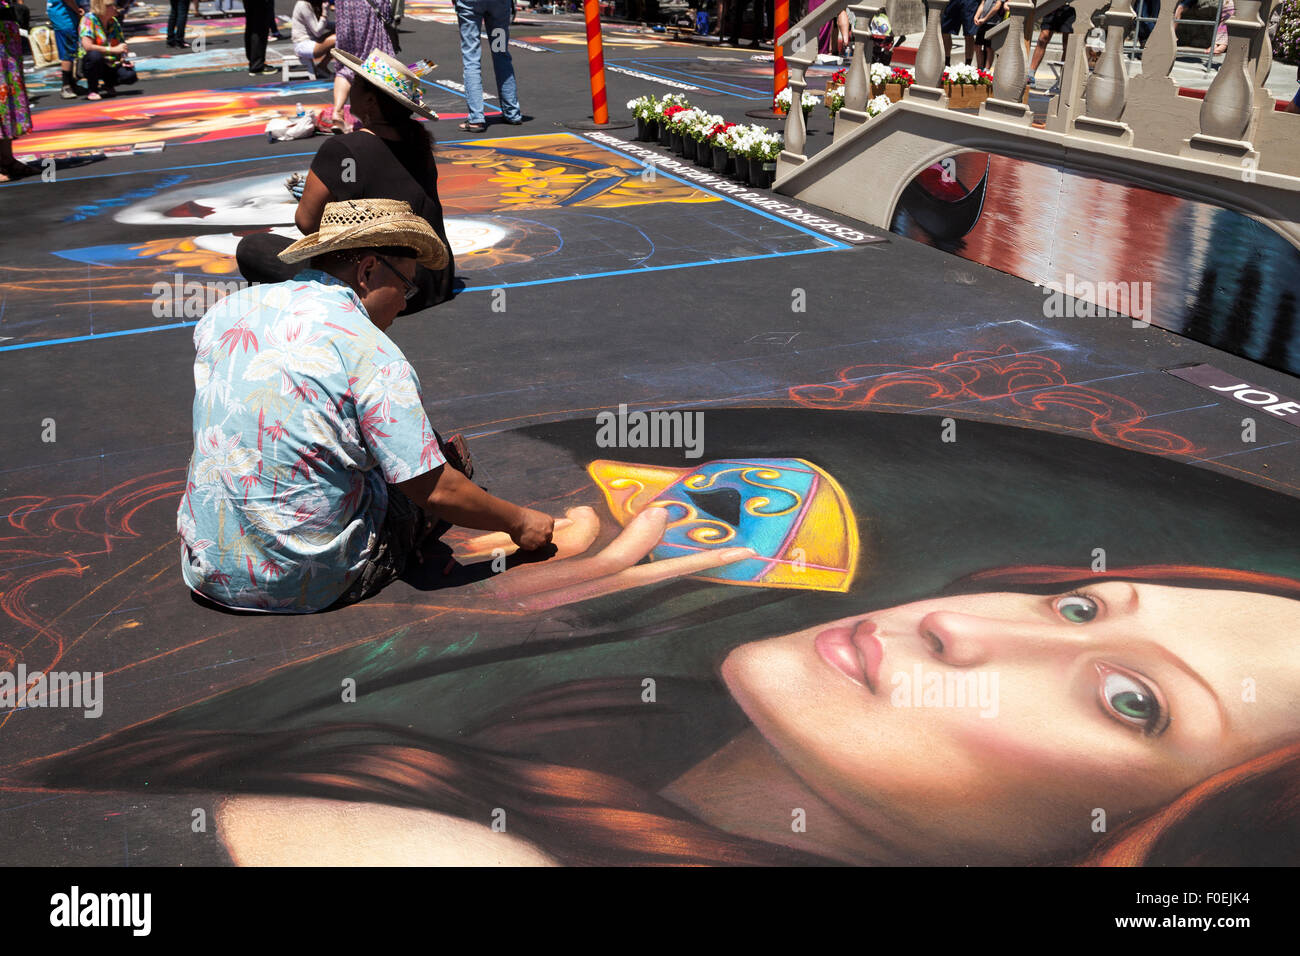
(473, 127)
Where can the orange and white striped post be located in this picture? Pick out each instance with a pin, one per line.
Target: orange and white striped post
(780, 75)
(596, 62)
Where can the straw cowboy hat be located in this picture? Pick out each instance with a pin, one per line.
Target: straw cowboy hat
(371, 224)
(389, 76)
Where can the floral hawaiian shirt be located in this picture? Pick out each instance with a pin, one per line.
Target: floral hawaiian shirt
(304, 411)
(100, 35)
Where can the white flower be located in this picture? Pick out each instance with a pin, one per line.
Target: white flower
(292, 350)
(877, 105)
(961, 73)
(879, 73)
(220, 459)
(393, 384)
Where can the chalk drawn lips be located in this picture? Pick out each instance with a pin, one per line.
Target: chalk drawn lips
(854, 651)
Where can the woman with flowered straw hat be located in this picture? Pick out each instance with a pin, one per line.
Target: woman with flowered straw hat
(389, 157)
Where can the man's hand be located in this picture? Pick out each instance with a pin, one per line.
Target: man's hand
(533, 530)
(447, 494)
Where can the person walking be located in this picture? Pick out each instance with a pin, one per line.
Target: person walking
(258, 15)
(494, 18)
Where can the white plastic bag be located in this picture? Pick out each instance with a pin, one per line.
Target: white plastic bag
(284, 128)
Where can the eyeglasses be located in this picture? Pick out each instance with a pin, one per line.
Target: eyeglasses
(412, 290)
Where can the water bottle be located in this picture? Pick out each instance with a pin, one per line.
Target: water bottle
(301, 111)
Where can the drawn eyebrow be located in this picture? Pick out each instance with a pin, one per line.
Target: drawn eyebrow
(1196, 678)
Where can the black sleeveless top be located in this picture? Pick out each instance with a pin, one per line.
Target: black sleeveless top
(387, 169)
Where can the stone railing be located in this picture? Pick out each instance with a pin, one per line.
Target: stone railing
(1235, 125)
(799, 44)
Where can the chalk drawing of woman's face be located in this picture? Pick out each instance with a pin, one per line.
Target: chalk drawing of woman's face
(1009, 727)
(252, 201)
(264, 201)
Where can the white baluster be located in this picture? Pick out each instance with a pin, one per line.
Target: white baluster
(858, 88)
(929, 57)
(1229, 108)
(1105, 95)
(1009, 74)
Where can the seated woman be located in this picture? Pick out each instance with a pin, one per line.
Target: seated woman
(390, 157)
(104, 51)
(313, 36)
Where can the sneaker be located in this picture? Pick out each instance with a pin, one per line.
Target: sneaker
(68, 93)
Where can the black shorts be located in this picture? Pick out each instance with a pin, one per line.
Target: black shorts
(404, 529)
(959, 17)
(1060, 20)
(981, 35)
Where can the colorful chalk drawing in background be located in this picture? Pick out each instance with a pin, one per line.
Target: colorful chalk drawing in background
(1208, 273)
(526, 209)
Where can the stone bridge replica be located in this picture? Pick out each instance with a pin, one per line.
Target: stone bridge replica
(1232, 149)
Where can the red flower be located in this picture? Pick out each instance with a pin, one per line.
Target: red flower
(839, 77)
(237, 335)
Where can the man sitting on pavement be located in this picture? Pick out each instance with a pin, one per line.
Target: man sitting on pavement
(315, 473)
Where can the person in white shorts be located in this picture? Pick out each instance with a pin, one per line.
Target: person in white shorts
(313, 35)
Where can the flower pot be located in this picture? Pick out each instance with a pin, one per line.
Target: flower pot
(877, 89)
(894, 91)
(738, 168)
(664, 134)
(675, 143)
(685, 145)
(721, 161)
(703, 153)
(642, 130)
(754, 171)
(963, 96)
(766, 173)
